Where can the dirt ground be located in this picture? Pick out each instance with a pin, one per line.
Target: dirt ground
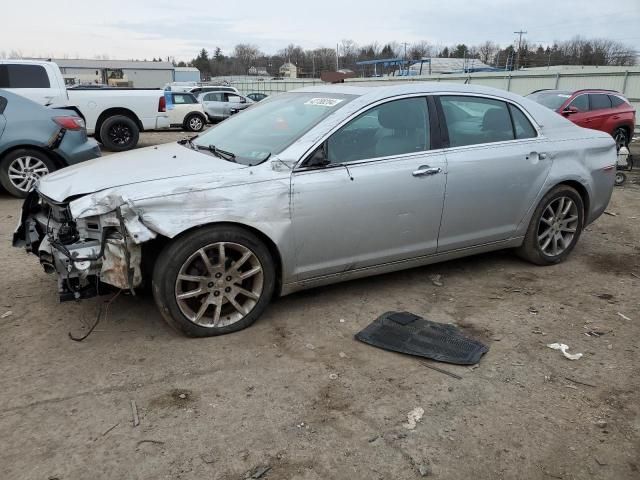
(220, 408)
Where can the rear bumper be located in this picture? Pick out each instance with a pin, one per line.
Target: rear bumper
(75, 147)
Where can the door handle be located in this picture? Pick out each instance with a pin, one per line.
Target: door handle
(425, 170)
(540, 155)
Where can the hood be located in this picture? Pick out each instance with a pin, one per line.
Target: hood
(143, 165)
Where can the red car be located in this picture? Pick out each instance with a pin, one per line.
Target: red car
(605, 110)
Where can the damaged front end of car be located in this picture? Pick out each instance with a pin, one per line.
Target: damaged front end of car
(91, 251)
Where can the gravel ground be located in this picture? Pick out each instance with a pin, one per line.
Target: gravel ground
(219, 408)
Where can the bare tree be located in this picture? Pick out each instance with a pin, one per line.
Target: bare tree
(419, 50)
(487, 51)
(246, 54)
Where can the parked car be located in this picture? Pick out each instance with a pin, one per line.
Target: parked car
(35, 140)
(317, 186)
(116, 116)
(198, 89)
(221, 105)
(604, 110)
(185, 111)
(256, 96)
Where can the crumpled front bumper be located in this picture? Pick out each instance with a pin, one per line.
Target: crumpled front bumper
(89, 255)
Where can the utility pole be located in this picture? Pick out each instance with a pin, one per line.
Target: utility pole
(337, 57)
(405, 56)
(519, 33)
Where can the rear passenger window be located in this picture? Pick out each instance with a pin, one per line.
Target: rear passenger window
(521, 124)
(23, 76)
(474, 120)
(616, 101)
(3, 104)
(599, 101)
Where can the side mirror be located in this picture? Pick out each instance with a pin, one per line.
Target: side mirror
(243, 100)
(570, 110)
(318, 159)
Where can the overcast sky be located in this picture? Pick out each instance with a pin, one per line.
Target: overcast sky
(150, 28)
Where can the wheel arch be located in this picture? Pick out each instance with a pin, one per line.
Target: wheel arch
(112, 112)
(152, 248)
(582, 191)
(54, 157)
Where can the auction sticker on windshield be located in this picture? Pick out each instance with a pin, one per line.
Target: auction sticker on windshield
(324, 102)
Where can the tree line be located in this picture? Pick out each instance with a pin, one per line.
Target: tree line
(310, 62)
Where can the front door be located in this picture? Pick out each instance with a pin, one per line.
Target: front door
(379, 198)
(497, 165)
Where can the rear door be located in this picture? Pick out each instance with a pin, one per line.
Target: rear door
(497, 163)
(599, 111)
(181, 107)
(213, 103)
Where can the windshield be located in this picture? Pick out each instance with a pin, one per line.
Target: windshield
(552, 100)
(270, 126)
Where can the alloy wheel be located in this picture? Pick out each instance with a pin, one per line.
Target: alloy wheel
(120, 134)
(24, 171)
(219, 284)
(558, 225)
(195, 124)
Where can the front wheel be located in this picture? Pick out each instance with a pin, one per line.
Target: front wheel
(555, 227)
(213, 281)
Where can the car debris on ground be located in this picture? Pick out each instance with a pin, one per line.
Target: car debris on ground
(565, 350)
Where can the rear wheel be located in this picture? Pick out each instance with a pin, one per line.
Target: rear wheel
(119, 133)
(194, 122)
(20, 169)
(555, 227)
(620, 178)
(213, 281)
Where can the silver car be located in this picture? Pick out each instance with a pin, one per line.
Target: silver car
(317, 186)
(221, 105)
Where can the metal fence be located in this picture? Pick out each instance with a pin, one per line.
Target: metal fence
(625, 81)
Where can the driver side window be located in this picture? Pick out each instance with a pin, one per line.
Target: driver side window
(393, 128)
(581, 102)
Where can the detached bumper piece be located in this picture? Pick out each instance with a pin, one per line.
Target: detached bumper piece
(405, 332)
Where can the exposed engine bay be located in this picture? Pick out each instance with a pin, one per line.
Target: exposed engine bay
(90, 255)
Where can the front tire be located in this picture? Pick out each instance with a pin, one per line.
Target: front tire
(20, 169)
(214, 280)
(555, 227)
(194, 123)
(119, 133)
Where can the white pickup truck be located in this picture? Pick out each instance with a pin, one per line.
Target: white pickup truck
(115, 116)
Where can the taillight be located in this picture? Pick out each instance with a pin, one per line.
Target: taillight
(162, 104)
(70, 123)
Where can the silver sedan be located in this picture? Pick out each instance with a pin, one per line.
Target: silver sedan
(318, 186)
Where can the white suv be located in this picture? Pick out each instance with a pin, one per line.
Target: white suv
(185, 111)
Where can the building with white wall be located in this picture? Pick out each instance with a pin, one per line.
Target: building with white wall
(138, 74)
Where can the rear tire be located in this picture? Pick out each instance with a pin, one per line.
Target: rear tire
(555, 227)
(20, 169)
(194, 122)
(620, 178)
(213, 281)
(119, 133)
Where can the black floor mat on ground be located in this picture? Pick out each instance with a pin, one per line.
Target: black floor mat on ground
(405, 332)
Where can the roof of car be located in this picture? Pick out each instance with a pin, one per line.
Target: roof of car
(573, 92)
